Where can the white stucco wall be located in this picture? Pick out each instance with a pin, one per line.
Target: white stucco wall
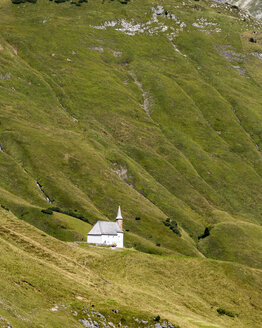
(94, 239)
(120, 242)
(107, 239)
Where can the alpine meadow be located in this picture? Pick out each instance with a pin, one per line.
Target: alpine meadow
(154, 105)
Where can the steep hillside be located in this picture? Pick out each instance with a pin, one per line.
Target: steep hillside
(153, 105)
(47, 283)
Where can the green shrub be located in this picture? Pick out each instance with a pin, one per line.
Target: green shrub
(47, 211)
(17, 2)
(222, 311)
(70, 213)
(55, 209)
(123, 320)
(5, 208)
(173, 226)
(157, 318)
(123, 2)
(205, 234)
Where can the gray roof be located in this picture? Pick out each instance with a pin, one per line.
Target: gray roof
(105, 228)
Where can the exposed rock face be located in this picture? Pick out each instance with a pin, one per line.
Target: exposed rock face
(253, 6)
(91, 318)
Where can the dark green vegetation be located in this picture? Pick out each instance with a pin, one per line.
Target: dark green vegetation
(70, 213)
(172, 225)
(205, 234)
(156, 109)
(225, 312)
(17, 2)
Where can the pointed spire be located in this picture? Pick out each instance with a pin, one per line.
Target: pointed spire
(119, 215)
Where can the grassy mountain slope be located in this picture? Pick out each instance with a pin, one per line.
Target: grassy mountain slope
(47, 283)
(158, 109)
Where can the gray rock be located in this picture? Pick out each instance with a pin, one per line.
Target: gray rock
(100, 315)
(5, 77)
(87, 324)
(157, 325)
(117, 53)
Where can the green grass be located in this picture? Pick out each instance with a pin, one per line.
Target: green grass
(229, 241)
(195, 159)
(72, 116)
(39, 272)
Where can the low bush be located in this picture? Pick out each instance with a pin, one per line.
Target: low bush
(205, 234)
(123, 320)
(47, 211)
(55, 209)
(17, 2)
(123, 2)
(78, 3)
(222, 311)
(157, 318)
(173, 226)
(5, 208)
(70, 213)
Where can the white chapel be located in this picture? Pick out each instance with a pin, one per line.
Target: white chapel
(108, 233)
